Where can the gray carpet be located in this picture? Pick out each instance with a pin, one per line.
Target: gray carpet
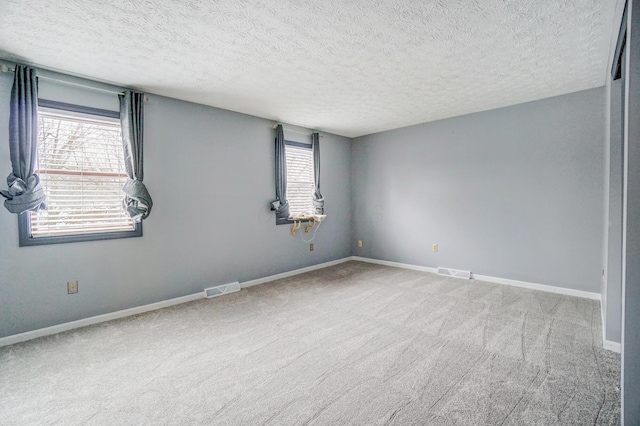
(351, 344)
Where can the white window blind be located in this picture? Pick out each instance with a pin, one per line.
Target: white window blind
(81, 168)
(300, 181)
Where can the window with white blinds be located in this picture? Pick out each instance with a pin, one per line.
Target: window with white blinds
(300, 181)
(81, 168)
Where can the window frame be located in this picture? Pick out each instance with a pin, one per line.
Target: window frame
(299, 145)
(24, 221)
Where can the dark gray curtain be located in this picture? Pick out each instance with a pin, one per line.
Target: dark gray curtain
(318, 199)
(280, 205)
(24, 193)
(137, 200)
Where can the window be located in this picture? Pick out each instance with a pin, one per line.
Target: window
(81, 168)
(300, 180)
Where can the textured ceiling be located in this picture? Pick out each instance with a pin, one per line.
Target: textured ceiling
(347, 67)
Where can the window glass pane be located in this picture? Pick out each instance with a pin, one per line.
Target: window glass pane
(81, 167)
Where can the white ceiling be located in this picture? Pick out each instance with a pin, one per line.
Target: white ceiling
(347, 67)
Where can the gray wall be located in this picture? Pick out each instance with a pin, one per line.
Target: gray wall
(512, 193)
(210, 173)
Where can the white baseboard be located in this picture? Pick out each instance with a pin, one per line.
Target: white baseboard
(251, 283)
(395, 264)
(607, 344)
(604, 332)
(612, 346)
(539, 287)
(22, 337)
(59, 328)
(55, 329)
(506, 281)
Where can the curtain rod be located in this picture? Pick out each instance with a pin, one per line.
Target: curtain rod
(296, 131)
(5, 68)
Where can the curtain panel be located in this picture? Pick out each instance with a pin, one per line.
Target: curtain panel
(318, 199)
(25, 192)
(280, 205)
(137, 201)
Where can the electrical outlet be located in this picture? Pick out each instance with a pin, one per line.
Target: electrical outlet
(311, 247)
(435, 248)
(360, 243)
(72, 287)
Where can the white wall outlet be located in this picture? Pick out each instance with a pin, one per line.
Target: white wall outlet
(435, 248)
(72, 287)
(311, 247)
(360, 243)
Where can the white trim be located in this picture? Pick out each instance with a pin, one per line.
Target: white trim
(612, 346)
(604, 330)
(608, 344)
(258, 281)
(55, 329)
(59, 328)
(506, 281)
(395, 264)
(539, 287)
(614, 31)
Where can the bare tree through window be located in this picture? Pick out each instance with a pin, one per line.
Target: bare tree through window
(81, 166)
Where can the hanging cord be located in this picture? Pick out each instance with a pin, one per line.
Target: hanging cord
(314, 233)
